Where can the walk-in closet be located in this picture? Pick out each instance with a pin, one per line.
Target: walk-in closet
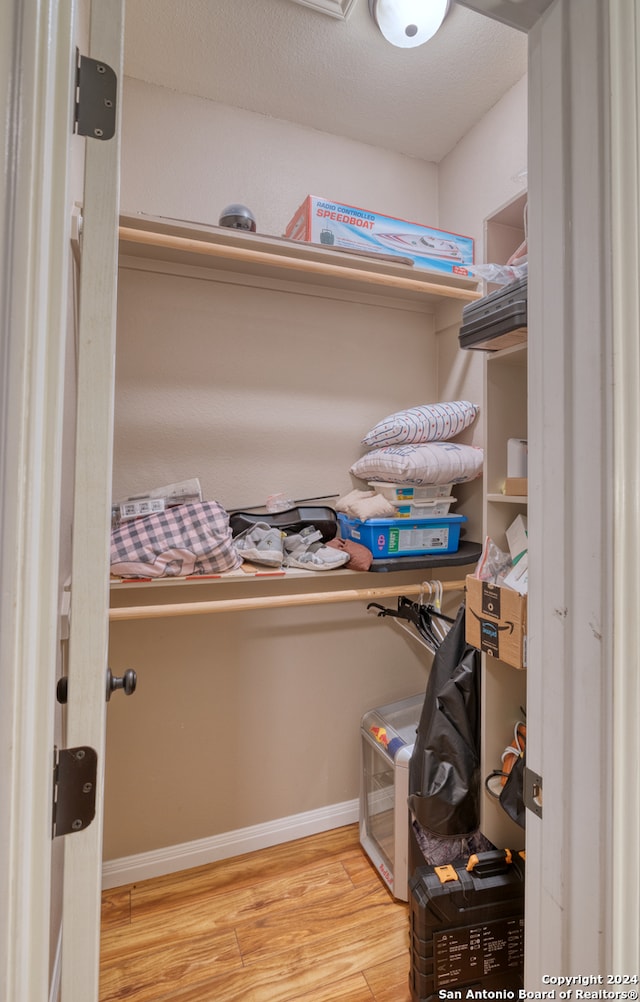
(257, 366)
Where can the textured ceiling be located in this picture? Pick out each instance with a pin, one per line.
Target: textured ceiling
(289, 61)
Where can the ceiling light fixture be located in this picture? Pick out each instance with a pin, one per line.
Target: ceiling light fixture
(407, 23)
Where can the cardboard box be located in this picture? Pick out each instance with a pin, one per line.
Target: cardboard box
(321, 221)
(496, 621)
(516, 486)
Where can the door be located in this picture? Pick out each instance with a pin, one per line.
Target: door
(582, 905)
(583, 697)
(37, 87)
(88, 629)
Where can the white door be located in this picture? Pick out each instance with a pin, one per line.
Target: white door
(88, 632)
(37, 86)
(583, 696)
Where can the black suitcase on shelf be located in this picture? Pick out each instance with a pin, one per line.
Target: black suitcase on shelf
(467, 925)
(498, 320)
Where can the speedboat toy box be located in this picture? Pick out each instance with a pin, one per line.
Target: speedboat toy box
(321, 221)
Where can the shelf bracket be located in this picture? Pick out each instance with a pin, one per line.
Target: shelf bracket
(532, 793)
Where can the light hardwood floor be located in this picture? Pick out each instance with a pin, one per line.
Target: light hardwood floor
(308, 921)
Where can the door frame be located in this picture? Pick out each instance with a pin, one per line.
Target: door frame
(569, 740)
(625, 242)
(34, 227)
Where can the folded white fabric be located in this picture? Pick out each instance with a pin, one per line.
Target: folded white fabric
(365, 504)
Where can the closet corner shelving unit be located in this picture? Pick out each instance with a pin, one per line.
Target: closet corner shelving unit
(183, 247)
(505, 417)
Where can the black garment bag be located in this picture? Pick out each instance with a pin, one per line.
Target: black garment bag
(444, 769)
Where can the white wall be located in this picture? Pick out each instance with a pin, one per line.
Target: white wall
(484, 171)
(187, 157)
(481, 174)
(256, 391)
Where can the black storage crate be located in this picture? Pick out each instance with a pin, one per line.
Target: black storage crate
(467, 925)
(498, 320)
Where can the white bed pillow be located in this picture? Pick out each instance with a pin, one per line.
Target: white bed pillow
(427, 423)
(426, 463)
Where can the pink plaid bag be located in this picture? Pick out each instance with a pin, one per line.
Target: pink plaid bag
(187, 539)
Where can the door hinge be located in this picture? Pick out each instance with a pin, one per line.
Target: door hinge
(75, 772)
(95, 99)
(532, 791)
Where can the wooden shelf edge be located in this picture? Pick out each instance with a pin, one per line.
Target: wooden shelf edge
(508, 498)
(213, 246)
(467, 553)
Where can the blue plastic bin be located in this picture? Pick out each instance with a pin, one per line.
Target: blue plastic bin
(403, 537)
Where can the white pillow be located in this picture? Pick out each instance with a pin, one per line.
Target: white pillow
(428, 423)
(428, 463)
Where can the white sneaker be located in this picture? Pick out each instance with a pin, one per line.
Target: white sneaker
(305, 550)
(261, 544)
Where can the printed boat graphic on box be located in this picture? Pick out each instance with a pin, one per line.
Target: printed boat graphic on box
(415, 243)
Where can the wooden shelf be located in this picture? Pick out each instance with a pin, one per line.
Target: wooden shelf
(508, 498)
(467, 553)
(515, 354)
(241, 576)
(157, 239)
(139, 602)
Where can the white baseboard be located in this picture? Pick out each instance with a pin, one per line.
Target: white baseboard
(129, 869)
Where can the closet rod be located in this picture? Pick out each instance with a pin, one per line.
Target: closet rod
(246, 255)
(273, 601)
